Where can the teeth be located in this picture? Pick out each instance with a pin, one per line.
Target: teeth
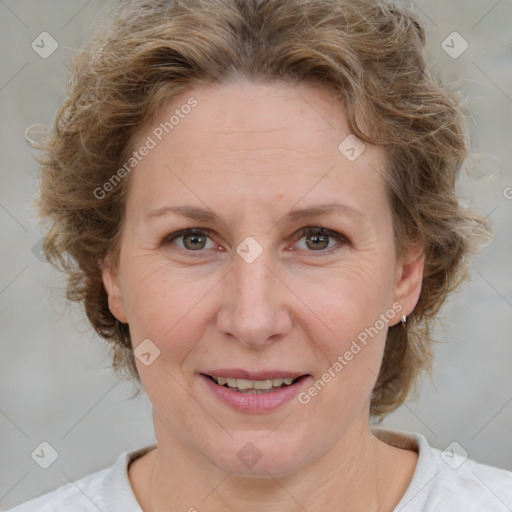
(261, 384)
(245, 384)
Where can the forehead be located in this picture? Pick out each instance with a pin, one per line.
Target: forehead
(253, 141)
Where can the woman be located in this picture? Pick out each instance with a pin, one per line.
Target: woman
(256, 203)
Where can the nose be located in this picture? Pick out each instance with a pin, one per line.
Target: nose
(254, 306)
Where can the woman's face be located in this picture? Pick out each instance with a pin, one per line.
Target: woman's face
(254, 293)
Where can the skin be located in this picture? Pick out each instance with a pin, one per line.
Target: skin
(251, 153)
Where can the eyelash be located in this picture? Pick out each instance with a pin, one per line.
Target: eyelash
(316, 230)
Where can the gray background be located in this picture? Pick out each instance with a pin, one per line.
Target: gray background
(56, 385)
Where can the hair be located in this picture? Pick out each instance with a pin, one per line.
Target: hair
(369, 53)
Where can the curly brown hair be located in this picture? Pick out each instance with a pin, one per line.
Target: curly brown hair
(371, 55)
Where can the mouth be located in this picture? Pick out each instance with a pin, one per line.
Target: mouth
(254, 392)
(249, 386)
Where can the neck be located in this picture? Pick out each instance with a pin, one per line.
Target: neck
(349, 474)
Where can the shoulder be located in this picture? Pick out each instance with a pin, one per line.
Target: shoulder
(460, 481)
(106, 490)
(79, 496)
(449, 481)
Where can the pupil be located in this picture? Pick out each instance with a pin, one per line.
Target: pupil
(194, 239)
(317, 238)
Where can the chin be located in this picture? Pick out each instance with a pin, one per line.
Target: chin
(257, 456)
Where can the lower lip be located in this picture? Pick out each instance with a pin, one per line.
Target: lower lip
(252, 402)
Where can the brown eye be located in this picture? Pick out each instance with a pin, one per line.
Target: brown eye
(317, 239)
(191, 239)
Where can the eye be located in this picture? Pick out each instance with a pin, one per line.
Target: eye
(317, 240)
(193, 240)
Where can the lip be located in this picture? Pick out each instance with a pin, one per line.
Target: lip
(256, 403)
(238, 373)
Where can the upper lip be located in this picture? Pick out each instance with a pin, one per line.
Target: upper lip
(238, 373)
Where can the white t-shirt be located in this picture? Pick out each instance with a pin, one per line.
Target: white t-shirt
(441, 483)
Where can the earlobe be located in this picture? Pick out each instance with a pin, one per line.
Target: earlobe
(112, 286)
(409, 279)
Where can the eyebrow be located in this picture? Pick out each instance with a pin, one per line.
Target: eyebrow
(207, 215)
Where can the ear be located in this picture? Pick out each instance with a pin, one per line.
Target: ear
(110, 276)
(409, 278)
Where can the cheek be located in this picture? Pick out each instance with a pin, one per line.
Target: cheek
(352, 352)
(165, 305)
(349, 298)
(349, 315)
